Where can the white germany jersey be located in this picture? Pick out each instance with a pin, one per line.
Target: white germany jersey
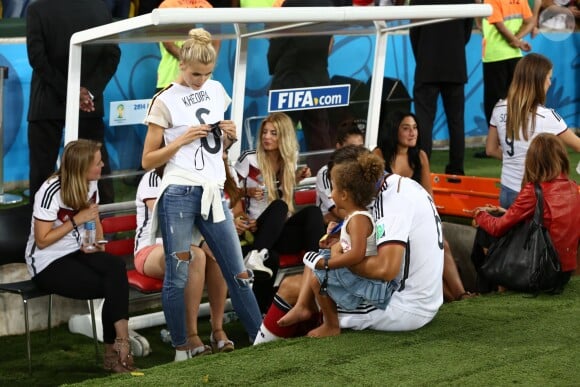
(48, 207)
(514, 151)
(251, 177)
(323, 190)
(405, 213)
(178, 107)
(148, 189)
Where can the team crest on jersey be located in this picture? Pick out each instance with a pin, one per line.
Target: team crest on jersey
(380, 231)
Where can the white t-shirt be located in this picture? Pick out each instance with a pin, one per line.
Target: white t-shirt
(323, 190)
(514, 152)
(48, 206)
(178, 107)
(251, 177)
(405, 213)
(148, 189)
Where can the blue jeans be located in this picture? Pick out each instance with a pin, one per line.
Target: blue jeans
(179, 212)
(507, 196)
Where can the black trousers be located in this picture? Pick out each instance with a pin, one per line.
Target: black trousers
(301, 232)
(497, 77)
(425, 98)
(44, 140)
(87, 276)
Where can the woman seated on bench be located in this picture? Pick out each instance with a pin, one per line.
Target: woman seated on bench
(60, 263)
(150, 261)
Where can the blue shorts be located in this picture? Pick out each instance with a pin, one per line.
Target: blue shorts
(349, 290)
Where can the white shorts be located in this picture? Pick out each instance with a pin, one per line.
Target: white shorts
(392, 319)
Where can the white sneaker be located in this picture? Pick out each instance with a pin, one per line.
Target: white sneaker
(254, 261)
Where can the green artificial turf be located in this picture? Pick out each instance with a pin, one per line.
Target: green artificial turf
(497, 339)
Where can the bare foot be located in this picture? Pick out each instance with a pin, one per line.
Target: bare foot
(324, 331)
(295, 315)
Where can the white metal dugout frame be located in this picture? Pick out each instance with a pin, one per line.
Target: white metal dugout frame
(242, 24)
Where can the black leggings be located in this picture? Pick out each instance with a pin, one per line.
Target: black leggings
(87, 276)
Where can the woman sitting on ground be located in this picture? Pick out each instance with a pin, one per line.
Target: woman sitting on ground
(546, 164)
(399, 148)
(60, 263)
(268, 176)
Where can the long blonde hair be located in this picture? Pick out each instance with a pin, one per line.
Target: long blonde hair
(198, 48)
(525, 93)
(76, 160)
(288, 151)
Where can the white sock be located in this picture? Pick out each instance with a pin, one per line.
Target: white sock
(264, 336)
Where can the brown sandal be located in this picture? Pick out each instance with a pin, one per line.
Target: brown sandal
(111, 363)
(124, 355)
(221, 345)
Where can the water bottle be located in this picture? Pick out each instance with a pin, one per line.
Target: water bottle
(90, 236)
(230, 317)
(165, 335)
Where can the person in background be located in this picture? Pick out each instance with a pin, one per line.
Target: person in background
(398, 146)
(60, 262)
(49, 27)
(503, 32)
(119, 8)
(168, 68)
(147, 6)
(188, 118)
(203, 269)
(546, 164)
(15, 8)
(519, 118)
(268, 176)
(349, 135)
(441, 69)
(296, 62)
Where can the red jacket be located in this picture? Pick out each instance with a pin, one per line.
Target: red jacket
(561, 216)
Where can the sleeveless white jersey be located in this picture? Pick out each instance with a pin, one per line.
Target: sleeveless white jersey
(48, 206)
(514, 151)
(405, 213)
(148, 189)
(178, 107)
(345, 240)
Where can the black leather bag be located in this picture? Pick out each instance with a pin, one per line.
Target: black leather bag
(525, 259)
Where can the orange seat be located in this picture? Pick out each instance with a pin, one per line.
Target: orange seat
(116, 226)
(459, 195)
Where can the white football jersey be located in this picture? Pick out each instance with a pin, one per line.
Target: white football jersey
(514, 151)
(178, 107)
(405, 213)
(323, 190)
(148, 189)
(48, 206)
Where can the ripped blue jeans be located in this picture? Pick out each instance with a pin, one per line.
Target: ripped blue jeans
(179, 212)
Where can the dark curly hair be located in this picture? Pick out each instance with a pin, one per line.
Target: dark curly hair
(356, 170)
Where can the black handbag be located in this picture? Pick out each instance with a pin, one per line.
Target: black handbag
(525, 259)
